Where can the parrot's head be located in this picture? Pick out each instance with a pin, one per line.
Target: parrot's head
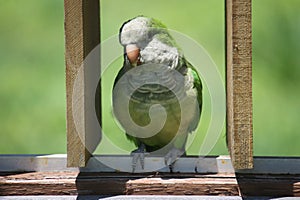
(146, 40)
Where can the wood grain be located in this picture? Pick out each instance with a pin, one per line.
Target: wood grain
(188, 186)
(73, 183)
(239, 82)
(82, 35)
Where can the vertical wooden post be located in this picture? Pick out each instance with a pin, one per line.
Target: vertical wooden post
(239, 82)
(82, 35)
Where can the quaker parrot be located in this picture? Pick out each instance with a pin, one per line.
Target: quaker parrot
(157, 72)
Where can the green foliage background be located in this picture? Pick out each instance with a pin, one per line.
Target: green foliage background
(32, 71)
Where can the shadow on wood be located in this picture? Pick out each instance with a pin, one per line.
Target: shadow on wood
(88, 183)
(268, 185)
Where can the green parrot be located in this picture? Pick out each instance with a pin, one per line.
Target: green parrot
(155, 72)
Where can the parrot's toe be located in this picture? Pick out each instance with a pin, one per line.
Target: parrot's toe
(138, 155)
(172, 156)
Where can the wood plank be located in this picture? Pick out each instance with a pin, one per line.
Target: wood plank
(205, 165)
(82, 35)
(73, 183)
(186, 186)
(105, 163)
(272, 176)
(123, 197)
(239, 82)
(245, 185)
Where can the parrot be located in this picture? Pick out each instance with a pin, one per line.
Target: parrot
(151, 53)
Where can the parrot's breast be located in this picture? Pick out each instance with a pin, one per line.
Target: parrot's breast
(151, 85)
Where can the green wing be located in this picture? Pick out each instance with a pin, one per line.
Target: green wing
(198, 87)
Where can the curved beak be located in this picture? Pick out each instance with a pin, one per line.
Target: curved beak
(133, 53)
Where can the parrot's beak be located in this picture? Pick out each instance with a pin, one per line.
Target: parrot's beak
(133, 54)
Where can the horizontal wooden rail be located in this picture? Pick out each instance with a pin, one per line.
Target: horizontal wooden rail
(203, 165)
(48, 175)
(93, 183)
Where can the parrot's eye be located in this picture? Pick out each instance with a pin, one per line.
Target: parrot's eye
(133, 54)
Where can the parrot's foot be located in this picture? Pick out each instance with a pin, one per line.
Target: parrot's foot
(172, 156)
(138, 155)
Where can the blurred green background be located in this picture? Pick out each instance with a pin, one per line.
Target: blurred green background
(32, 70)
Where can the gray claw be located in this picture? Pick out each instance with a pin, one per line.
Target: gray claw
(138, 155)
(172, 156)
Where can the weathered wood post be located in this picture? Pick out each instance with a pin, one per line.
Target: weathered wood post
(82, 34)
(239, 82)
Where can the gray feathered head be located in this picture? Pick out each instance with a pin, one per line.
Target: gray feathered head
(147, 40)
